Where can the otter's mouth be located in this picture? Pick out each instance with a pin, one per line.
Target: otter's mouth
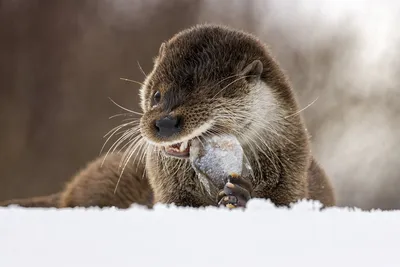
(178, 150)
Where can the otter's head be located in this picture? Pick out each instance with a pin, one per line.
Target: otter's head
(208, 80)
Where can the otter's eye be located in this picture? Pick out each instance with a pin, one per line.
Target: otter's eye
(156, 97)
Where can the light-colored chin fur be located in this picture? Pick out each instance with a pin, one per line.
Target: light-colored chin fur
(266, 114)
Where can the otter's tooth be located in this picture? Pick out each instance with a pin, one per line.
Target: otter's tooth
(183, 146)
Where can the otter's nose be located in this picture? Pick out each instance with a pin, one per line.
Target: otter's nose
(168, 126)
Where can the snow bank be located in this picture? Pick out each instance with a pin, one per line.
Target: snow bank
(170, 236)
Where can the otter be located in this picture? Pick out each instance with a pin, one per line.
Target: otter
(95, 184)
(207, 80)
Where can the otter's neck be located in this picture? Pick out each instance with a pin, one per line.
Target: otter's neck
(266, 123)
(275, 137)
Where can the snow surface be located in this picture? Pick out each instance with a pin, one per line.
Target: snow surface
(262, 235)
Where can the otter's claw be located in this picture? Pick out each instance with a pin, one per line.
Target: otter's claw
(235, 194)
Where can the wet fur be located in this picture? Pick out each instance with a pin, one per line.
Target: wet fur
(218, 80)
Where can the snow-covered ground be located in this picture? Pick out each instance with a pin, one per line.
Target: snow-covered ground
(262, 235)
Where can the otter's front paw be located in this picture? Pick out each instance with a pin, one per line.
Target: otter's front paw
(235, 194)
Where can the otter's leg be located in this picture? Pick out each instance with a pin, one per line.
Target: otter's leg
(236, 193)
(320, 187)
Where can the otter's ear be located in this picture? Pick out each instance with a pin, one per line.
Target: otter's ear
(161, 51)
(253, 71)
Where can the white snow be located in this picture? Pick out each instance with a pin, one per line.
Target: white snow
(262, 235)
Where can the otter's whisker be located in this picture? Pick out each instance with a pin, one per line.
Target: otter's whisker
(116, 129)
(133, 146)
(132, 138)
(132, 81)
(272, 125)
(126, 161)
(119, 115)
(141, 69)
(143, 154)
(238, 79)
(262, 122)
(131, 111)
(116, 143)
(254, 151)
(301, 110)
(115, 132)
(175, 169)
(257, 135)
(142, 151)
(224, 79)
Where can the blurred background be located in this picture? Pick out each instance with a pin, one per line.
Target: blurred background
(60, 61)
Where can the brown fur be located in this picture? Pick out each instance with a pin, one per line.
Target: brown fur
(49, 201)
(95, 185)
(188, 67)
(212, 73)
(319, 185)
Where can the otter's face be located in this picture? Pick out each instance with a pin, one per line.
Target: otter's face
(199, 86)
